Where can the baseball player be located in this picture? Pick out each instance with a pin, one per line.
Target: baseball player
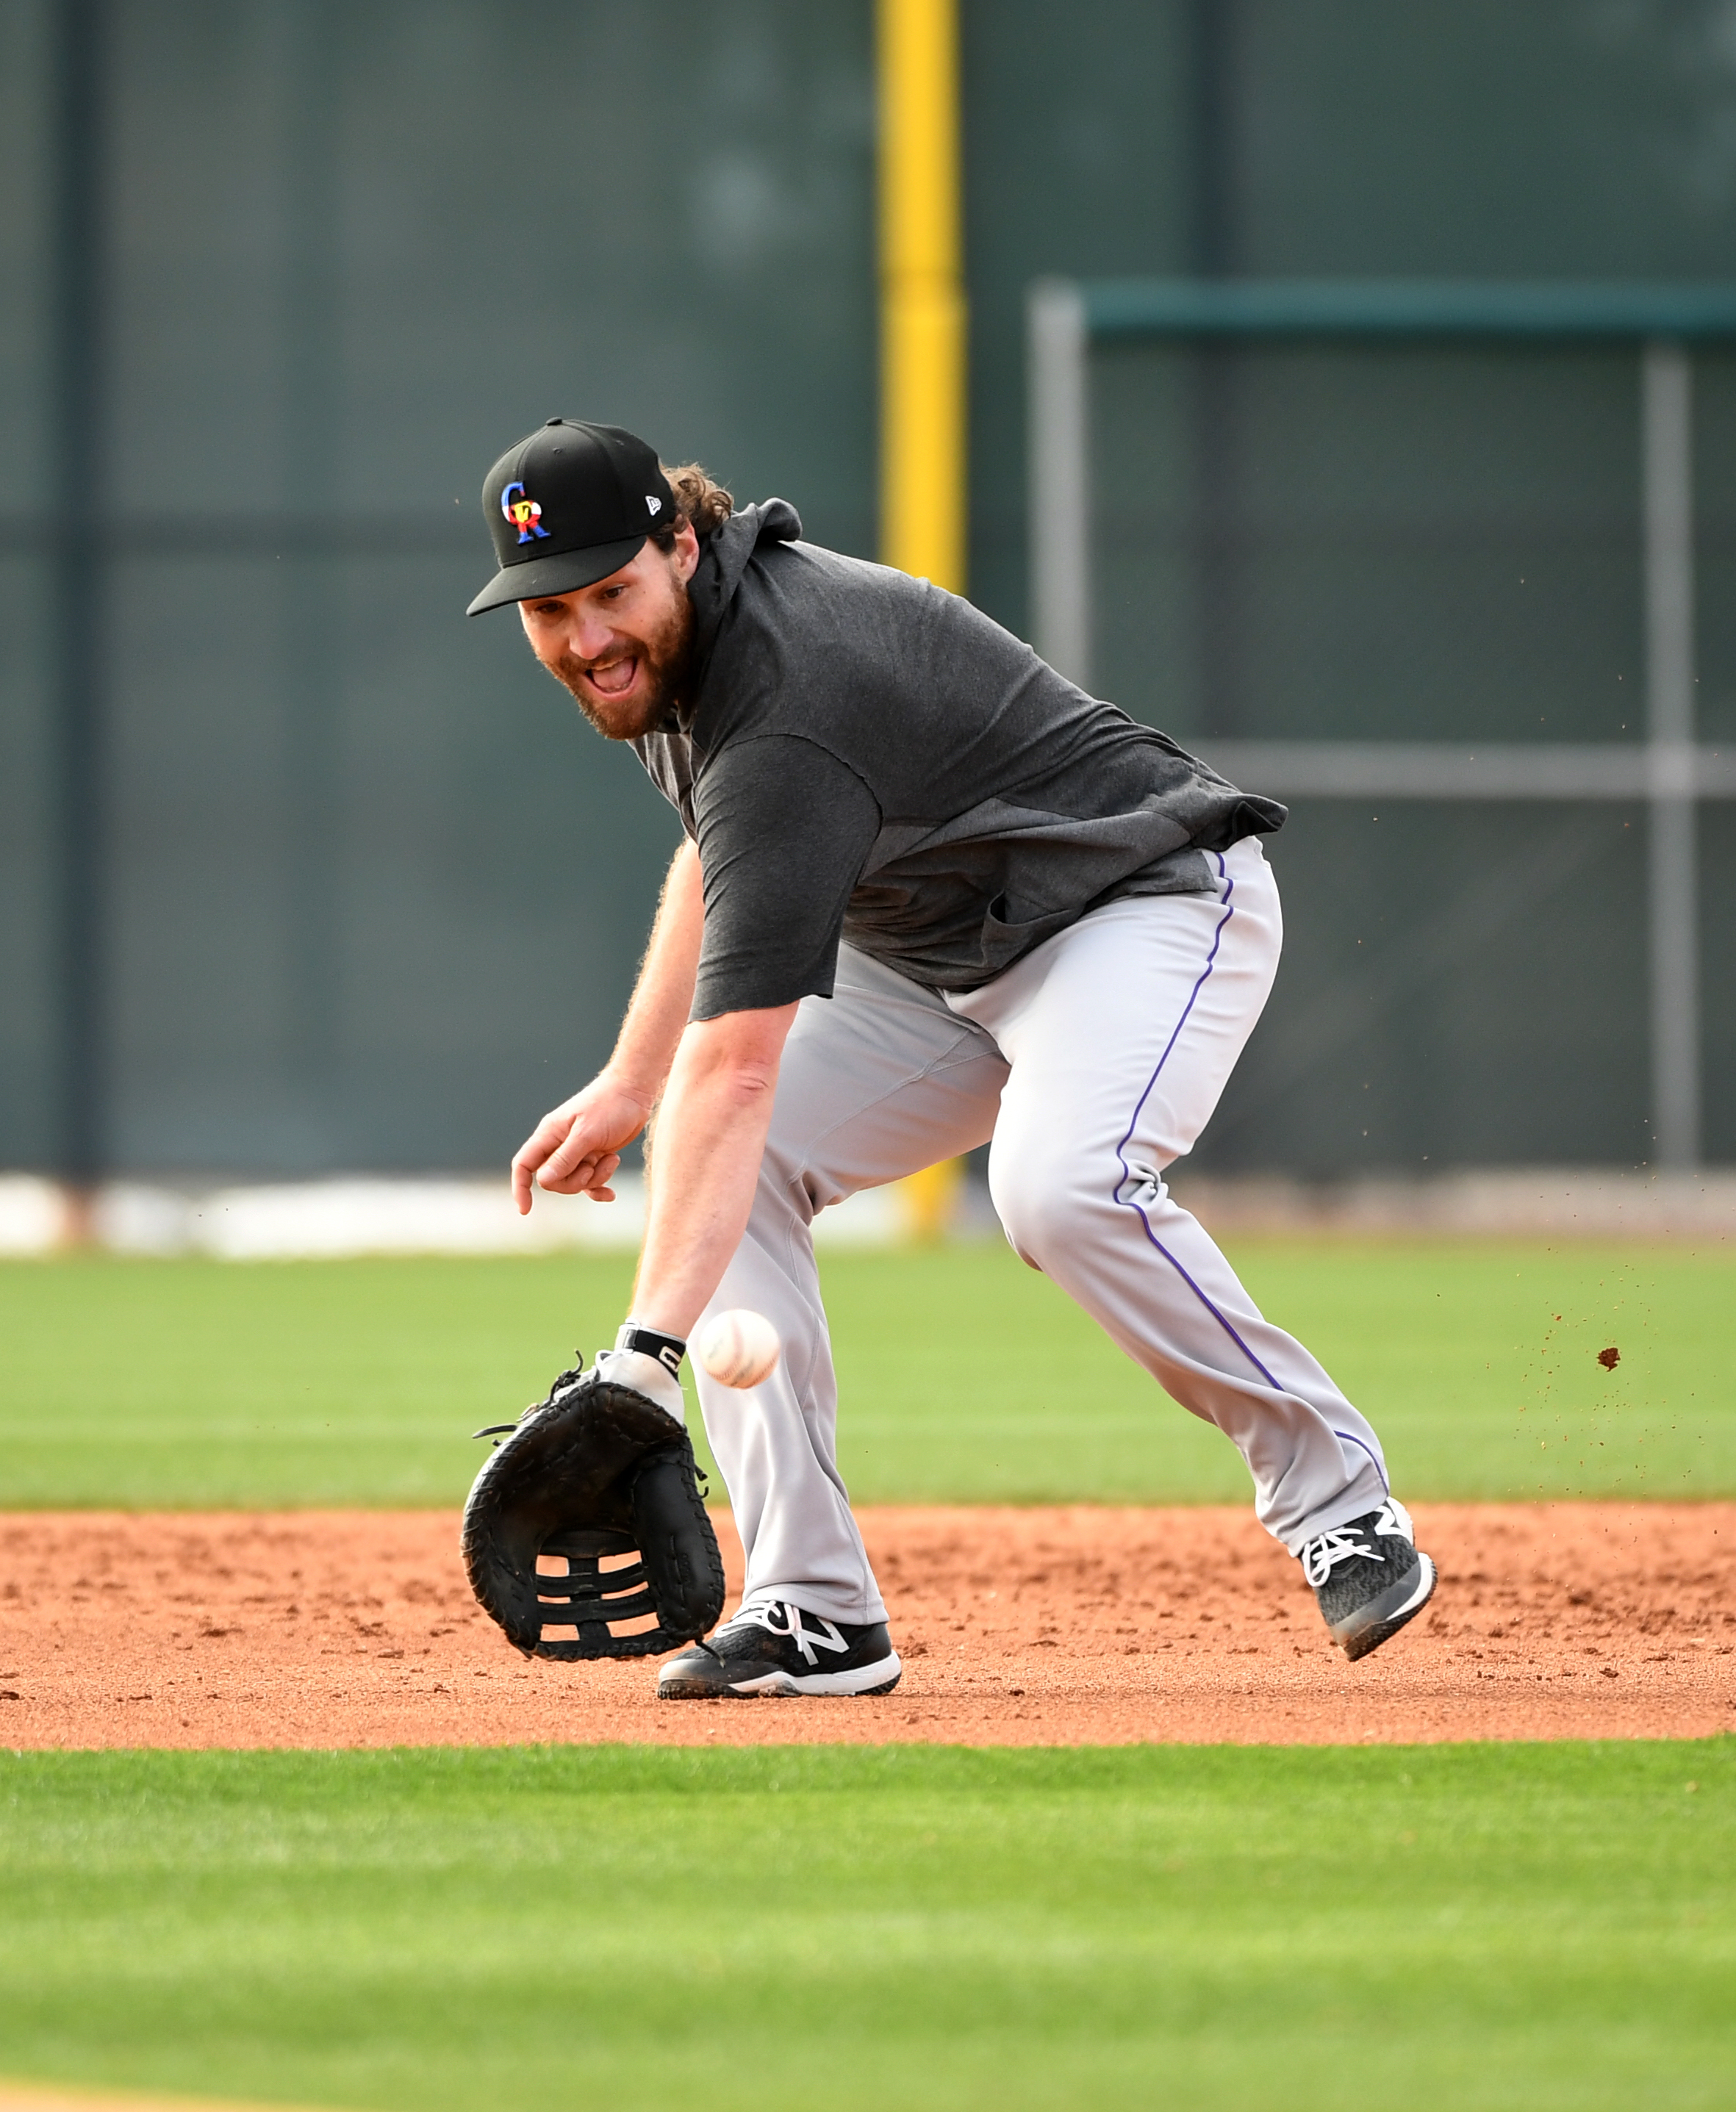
(930, 895)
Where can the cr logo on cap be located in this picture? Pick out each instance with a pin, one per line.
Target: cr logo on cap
(525, 514)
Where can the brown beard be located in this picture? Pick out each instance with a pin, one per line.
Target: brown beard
(666, 658)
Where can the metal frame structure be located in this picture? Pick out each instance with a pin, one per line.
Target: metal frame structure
(1670, 769)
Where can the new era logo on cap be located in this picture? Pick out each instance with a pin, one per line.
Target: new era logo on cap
(563, 509)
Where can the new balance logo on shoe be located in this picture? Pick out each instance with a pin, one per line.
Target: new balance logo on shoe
(780, 1619)
(773, 1647)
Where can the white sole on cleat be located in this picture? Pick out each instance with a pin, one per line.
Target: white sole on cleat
(880, 1678)
(1426, 1582)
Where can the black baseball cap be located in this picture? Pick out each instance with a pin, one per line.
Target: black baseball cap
(570, 504)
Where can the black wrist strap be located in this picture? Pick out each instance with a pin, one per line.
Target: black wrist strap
(668, 1350)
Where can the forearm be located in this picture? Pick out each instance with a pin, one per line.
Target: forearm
(711, 1134)
(651, 1029)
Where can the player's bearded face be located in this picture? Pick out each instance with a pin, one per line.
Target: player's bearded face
(626, 660)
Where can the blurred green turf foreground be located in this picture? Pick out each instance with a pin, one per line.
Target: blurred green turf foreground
(966, 1377)
(818, 1930)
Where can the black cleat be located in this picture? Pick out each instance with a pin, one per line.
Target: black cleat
(1369, 1576)
(775, 1648)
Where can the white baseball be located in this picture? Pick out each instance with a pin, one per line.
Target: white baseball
(739, 1349)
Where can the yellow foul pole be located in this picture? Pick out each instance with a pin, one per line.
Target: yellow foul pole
(921, 356)
(922, 387)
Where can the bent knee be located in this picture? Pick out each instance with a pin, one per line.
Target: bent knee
(1043, 1198)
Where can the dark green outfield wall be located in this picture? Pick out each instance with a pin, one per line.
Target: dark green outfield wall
(374, 896)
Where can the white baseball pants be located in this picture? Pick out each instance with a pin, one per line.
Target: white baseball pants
(1092, 1064)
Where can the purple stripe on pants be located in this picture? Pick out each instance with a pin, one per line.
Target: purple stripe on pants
(1126, 1171)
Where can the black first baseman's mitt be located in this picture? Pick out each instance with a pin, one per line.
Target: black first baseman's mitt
(595, 1471)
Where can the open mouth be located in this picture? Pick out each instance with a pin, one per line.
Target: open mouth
(615, 677)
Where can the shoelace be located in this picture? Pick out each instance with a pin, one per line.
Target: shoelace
(777, 1617)
(1327, 1549)
(1323, 1553)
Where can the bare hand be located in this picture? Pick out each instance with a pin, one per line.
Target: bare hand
(575, 1148)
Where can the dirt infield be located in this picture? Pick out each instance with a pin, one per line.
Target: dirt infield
(39, 2097)
(1066, 1626)
(42, 2097)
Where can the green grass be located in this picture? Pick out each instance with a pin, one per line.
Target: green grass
(966, 1376)
(1461, 1927)
(974, 1380)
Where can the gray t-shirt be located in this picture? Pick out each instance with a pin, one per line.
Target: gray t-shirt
(865, 757)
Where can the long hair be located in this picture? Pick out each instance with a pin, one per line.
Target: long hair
(699, 500)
